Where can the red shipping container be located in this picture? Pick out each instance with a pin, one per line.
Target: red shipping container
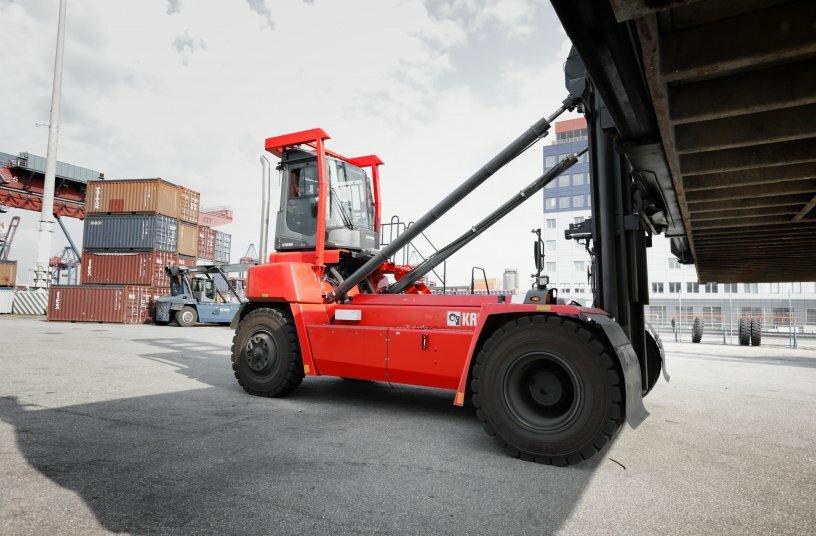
(206, 242)
(124, 304)
(185, 260)
(127, 268)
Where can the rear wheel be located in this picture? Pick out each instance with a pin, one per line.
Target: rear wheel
(186, 316)
(265, 353)
(756, 332)
(547, 390)
(744, 331)
(697, 330)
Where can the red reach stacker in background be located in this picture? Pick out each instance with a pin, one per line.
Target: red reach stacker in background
(551, 382)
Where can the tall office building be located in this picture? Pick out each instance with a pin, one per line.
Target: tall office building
(674, 290)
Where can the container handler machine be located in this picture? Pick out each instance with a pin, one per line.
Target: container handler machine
(550, 382)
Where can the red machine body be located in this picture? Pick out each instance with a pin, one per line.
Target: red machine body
(551, 382)
(414, 338)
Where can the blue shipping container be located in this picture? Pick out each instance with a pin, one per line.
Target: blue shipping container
(130, 232)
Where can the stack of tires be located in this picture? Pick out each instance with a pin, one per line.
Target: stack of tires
(750, 331)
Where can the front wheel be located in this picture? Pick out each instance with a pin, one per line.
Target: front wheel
(265, 353)
(186, 316)
(548, 390)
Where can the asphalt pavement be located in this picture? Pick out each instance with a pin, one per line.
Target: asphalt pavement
(144, 430)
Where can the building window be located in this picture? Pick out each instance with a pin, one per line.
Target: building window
(550, 245)
(686, 315)
(579, 266)
(796, 288)
(578, 219)
(563, 181)
(551, 185)
(810, 317)
(578, 179)
(579, 290)
(711, 288)
(551, 161)
(550, 223)
(674, 263)
(731, 287)
(781, 316)
(549, 203)
(551, 267)
(693, 288)
(712, 316)
(589, 200)
(563, 202)
(774, 288)
(657, 314)
(751, 312)
(657, 288)
(752, 288)
(674, 288)
(577, 201)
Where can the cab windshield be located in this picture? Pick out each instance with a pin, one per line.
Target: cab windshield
(350, 200)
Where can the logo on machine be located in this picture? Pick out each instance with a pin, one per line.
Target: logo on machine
(458, 318)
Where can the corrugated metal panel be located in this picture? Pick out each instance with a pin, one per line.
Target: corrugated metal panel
(206, 242)
(130, 232)
(30, 302)
(8, 273)
(223, 246)
(184, 260)
(127, 268)
(36, 163)
(126, 304)
(187, 239)
(189, 205)
(6, 300)
(133, 196)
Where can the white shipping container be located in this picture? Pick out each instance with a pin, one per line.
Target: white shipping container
(6, 300)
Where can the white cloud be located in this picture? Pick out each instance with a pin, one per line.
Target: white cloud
(415, 85)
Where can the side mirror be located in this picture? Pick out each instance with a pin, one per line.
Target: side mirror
(538, 255)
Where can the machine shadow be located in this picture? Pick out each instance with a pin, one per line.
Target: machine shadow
(336, 456)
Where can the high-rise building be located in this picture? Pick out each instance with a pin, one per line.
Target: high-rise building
(674, 290)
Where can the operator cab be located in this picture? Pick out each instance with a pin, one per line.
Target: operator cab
(349, 204)
(203, 289)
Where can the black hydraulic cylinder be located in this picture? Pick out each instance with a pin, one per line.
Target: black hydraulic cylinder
(518, 146)
(423, 268)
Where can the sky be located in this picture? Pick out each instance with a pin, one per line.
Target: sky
(188, 91)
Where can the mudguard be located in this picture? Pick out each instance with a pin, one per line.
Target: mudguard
(635, 410)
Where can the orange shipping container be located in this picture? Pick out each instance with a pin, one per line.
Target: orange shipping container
(133, 196)
(187, 239)
(8, 273)
(188, 205)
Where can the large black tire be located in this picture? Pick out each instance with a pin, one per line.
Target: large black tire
(756, 332)
(548, 390)
(265, 353)
(744, 332)
(187, 316)
(697, 330)
(654, 361)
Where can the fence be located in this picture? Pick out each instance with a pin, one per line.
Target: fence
(780, 326)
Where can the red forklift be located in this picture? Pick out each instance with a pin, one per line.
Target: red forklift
(551, 382)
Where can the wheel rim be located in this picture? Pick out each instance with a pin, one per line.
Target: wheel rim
(187, 317)
(542, 391)
(261, 351)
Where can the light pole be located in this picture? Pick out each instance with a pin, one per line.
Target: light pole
(46, 229)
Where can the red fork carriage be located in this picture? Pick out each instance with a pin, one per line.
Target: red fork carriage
(551, 382)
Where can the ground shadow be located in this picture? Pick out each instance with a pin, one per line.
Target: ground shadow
(336, 457)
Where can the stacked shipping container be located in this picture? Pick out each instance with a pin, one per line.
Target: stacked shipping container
(133, 229)
(8, 278)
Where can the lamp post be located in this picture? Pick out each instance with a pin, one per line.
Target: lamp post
(46, 230)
